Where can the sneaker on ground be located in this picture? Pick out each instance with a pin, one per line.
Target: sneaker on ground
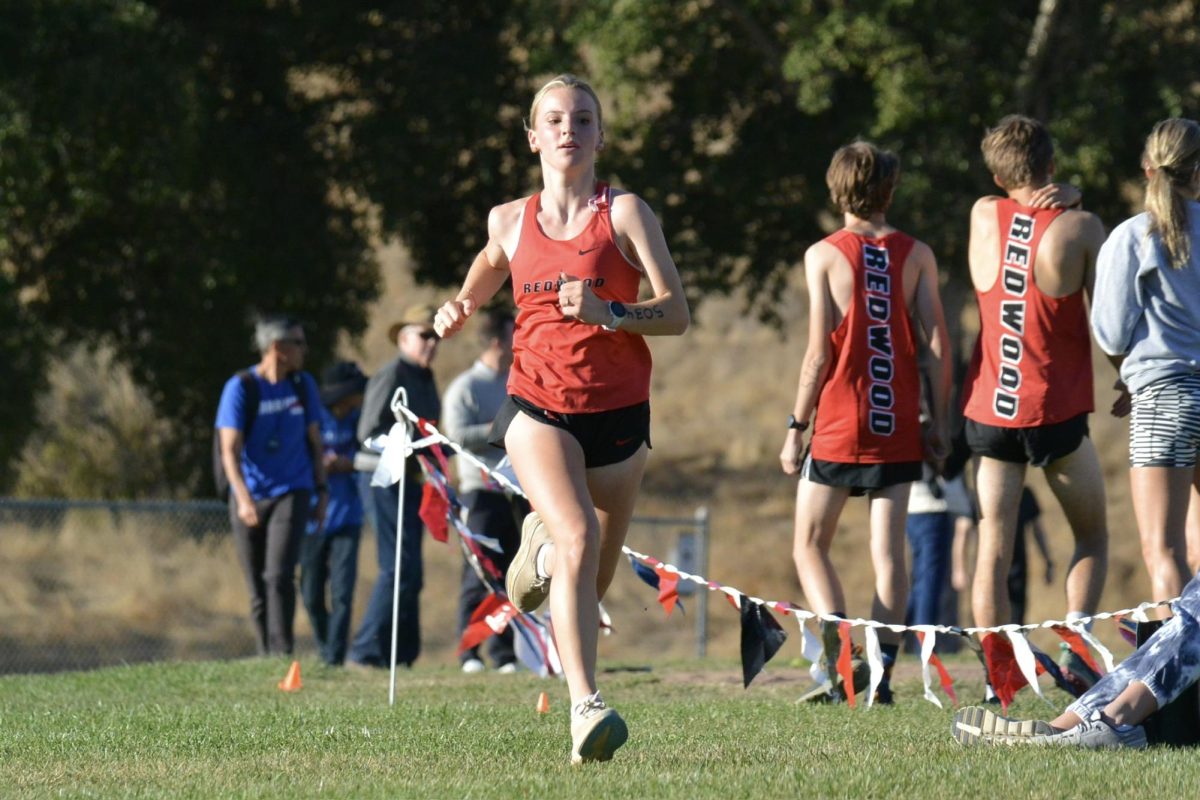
(507, 668)
(596, 730)
(473, 666)
(1096, 734)
(975, 725)
(834, 692)
(526, 589)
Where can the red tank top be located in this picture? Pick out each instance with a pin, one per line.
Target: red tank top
(563, 364)
(868, 411)
(1033, 360)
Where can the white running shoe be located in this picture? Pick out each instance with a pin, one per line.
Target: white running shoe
(596, 730)
(1096, 734)
(507, 669)
(977, 725)
(473, 666)
(525, 588)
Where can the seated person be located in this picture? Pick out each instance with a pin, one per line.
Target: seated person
(1111, 713)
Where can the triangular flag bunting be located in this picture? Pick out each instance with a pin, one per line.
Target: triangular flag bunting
(668, 590)
(490, 617)
(1003, 672)
(844, 666)
(762, 637)
(1078, 646)
(928, 642)
(435, 512)
(1046, 664)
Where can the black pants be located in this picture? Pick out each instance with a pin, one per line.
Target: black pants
(330, 559)
(490, 514)
(268, 554)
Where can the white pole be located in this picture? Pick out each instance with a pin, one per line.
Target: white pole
(399, 399)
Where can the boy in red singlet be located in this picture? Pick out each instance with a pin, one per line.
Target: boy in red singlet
(577, 421)
(865, 283)
(1029, 389)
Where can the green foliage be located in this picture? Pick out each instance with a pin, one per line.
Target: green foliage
(224, 730)
(162, 184)
(170, 167)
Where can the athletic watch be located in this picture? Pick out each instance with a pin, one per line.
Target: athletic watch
(797, 425)
(618, 312)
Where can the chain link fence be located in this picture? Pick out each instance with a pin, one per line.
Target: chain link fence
(87, 584)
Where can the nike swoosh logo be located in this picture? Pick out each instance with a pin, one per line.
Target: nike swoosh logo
(623, 442)
(590, 249)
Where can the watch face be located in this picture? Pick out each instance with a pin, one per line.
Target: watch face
(617, 309)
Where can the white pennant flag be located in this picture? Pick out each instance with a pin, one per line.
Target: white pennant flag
(927, 644)
(811, 649)
(1094, 643)
(1025, 660)
(875, 659)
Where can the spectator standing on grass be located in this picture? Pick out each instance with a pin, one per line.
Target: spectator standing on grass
(577, 423)
(268, 429)
(414, 338)
(866, 283)
(329, 554)
(469, 407)
(1146, 316)
(1028, 392)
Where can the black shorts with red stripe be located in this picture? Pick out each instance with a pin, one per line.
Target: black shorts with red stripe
(607, 437)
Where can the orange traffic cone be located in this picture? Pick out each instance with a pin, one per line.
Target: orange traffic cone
(543, 704)
(291, 682)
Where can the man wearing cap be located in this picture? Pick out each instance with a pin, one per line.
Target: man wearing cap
(417, 343)
(329, 556)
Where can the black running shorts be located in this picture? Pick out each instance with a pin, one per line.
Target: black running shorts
(607, 437)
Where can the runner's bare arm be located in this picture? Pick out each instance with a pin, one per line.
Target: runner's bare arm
(932, 317)
(641, 238)
(814, 369)
(486, 276)
(983, 245)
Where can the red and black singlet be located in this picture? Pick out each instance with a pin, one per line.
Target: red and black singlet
(868, 411)
(1033, 360)
(563, 364)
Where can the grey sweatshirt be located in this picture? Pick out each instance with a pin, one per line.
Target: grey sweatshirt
(468, 407)
(1144, 308)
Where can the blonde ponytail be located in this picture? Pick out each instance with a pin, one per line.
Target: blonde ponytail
(1172, 156)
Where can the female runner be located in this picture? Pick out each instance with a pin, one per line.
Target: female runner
(576, 424)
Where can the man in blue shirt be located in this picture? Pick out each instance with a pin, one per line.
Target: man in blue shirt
(267, 425)
(330, 555)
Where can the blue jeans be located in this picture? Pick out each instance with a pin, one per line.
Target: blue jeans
(930, 537)
(1168, 663)
(373, 642)
(330, 559)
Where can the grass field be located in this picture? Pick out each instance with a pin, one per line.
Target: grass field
(223, 729)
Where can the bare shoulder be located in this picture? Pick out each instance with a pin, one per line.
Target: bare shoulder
(504, 218)
(627, 208)
(1083, 223)
(984, 206)
(922, 253)
(821, 254)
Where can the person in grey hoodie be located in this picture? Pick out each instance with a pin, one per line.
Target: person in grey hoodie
(1146, 316)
